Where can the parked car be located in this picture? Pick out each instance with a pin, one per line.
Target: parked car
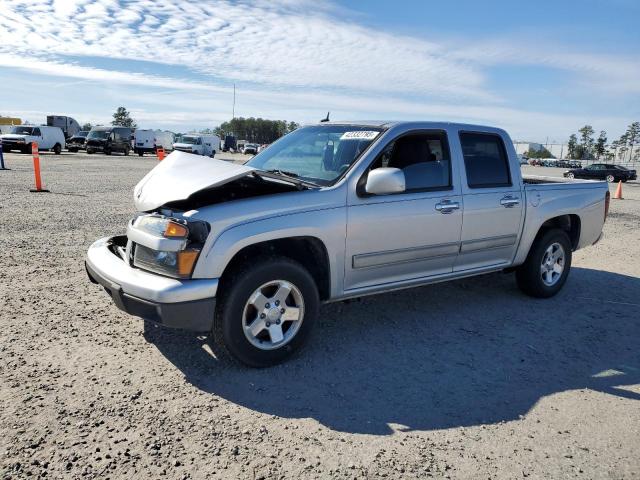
(148, 141)
(248, 252)
(77, 142)
(67, 124)
(198, 144)
(602, 171)
(109, 140)
(575, 164)
(22, 136)
(250, 149)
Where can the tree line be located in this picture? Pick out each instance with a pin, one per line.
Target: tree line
(585, 146)
(255, 130)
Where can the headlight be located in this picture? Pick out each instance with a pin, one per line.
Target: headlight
(179, 261)
(173, 264)
(162, 227)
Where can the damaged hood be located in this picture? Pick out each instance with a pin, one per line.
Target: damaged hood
(180, 175)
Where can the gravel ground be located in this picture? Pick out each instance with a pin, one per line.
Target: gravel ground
(469, 379)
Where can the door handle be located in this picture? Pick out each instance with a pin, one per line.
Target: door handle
(447, 206)
(509, 201)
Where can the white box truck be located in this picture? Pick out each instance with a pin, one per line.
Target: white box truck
(198, 144)
(148, 141)
(67, 124)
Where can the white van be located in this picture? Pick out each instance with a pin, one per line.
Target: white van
(22, 136)
(148, 141)
(199, 144)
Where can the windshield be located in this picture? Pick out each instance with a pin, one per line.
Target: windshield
(319, 154)
(22, 130)
(98, 134)
(190, 140)
(81, 134)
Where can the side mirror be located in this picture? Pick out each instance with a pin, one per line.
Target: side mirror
(383, 181)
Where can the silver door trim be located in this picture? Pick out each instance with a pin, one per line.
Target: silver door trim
(405, 255)
(468, 246)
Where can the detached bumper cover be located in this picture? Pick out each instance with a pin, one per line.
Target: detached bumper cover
(187, 304)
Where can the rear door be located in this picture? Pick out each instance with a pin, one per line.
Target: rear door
(493, 203)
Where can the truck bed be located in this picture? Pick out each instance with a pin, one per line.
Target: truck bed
(542, 180)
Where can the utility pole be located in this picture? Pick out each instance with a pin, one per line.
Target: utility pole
(233, 114)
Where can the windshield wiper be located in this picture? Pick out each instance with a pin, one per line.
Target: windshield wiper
(283, 172)
(288, 176)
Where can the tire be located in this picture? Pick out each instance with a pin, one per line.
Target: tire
(610, 178)
(533, 276)
(235, 311)
(107, 151)
(140, 153)
(126, 151)
(89, 151)
(57, 149)
(571, 175)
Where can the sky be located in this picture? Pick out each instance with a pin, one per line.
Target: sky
(539, 69)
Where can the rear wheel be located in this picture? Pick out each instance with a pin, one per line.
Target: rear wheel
(266, 311)
(610, 178)
(126, 151)
(57, 149)
(571, 175)
(545, 271)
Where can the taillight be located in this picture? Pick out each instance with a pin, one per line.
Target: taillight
(607, 200)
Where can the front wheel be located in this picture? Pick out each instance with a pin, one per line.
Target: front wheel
(610, 178)
(571, 175)
(266, 311)
(57, 149)
(126, 151)
(547, 266)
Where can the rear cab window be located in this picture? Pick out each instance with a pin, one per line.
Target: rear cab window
(485, 160)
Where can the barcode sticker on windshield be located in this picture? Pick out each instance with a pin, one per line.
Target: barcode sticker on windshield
(359, 135)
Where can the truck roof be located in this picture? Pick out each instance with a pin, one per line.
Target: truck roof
(411, 124)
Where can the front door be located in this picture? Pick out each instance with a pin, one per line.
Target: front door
(409, 235)
(493, 203)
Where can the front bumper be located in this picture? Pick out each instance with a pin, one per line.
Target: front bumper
(8, 145)
(187, 304)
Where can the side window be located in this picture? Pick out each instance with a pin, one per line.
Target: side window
(423, 158)
(485, 160)
(36, 132)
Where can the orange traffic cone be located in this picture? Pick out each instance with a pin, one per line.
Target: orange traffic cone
(618, 194)
(36, 169)
(160, 153)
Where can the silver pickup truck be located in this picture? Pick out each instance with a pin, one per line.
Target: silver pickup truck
(334, 211)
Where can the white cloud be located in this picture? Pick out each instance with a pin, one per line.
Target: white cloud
(284, 44)
(292, 58)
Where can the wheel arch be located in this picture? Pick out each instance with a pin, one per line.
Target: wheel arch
(309, 251)
(570, 223)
